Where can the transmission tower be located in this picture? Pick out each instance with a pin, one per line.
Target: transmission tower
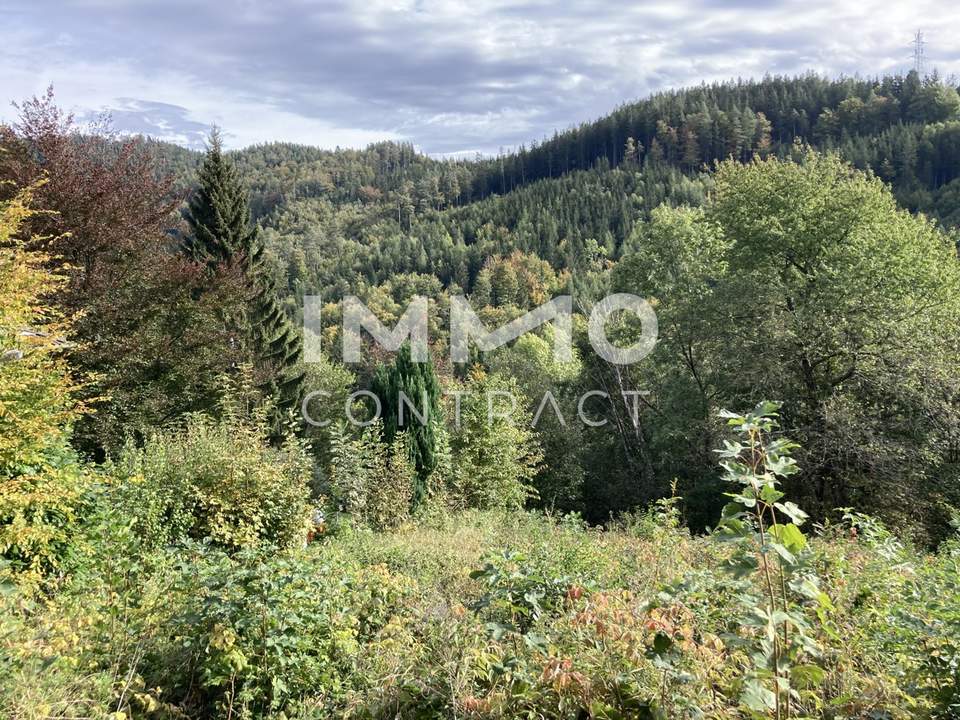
(918, 57)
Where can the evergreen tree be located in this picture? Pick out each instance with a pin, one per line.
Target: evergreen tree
(222, 235)
(418, 382)
(219, 215)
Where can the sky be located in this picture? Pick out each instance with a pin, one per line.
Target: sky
(454, 78)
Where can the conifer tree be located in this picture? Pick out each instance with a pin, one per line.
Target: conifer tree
(222, 234)
(418, 382)
(218, 214)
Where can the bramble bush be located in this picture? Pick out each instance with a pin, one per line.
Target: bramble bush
(370, 480)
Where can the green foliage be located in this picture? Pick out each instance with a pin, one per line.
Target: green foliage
(254, 634)
(530, 361)
(337, 382)
(779, 639)
(517, 595)
(409, 394)
(495, 454)
(177, 587)
(41, 482)
(222, 236)
(370, 480)
(219, 480)
(569, 621)
(906, 605)
(218, 214)
(147, 348)
(802, 280)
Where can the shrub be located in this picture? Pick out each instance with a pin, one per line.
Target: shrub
(42, 669)
(219, 480)
(371, 480)
(41, 483)
(255, 633)
(495, 454)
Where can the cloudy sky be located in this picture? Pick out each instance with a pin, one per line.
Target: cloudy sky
(452, 77)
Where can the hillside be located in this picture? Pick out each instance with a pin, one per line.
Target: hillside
(389, 209)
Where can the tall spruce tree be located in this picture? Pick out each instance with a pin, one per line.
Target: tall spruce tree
(222, 234)
(418, 382)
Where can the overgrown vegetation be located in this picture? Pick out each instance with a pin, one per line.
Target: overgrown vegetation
(496, 615)
(174, 543)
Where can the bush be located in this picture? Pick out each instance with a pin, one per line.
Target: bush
(254, 633)
(495, 454)
(42, 670)
(218, 480)
(371, 480)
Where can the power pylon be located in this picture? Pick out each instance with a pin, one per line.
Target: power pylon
(918, 56)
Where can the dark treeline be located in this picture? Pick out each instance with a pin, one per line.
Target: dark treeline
(879, 123)
(904, 128)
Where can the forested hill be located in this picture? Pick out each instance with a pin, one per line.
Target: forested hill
(336, 217)
(904, 127)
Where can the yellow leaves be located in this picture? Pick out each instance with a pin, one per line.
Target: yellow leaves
(39, 480)
(146, 702)
(35, 386)
(36, 511)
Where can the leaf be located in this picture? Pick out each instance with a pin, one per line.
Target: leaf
(770, 494)
(731, 510)
(742, 566)
(496, 630)
(757, 697)
(733, 417)
(662, 643)
(535, 642)
(784, 553)
(790, 537)
(806, 676)
(767, 408)
(793, 511)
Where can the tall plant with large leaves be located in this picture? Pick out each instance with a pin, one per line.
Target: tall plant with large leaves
(222, 235)
(770, 550)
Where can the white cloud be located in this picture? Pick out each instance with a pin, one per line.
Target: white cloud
(445, 74)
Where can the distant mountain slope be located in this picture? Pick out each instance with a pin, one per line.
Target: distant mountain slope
(337, 217)
(903, 127)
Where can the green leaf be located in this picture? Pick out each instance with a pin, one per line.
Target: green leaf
(793, 511)
(792, 537)
(784, 553)
(757, 697)
(806, 676)
(770, 494)
(662, 643)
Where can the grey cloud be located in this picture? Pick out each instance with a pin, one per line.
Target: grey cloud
(495, 76)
